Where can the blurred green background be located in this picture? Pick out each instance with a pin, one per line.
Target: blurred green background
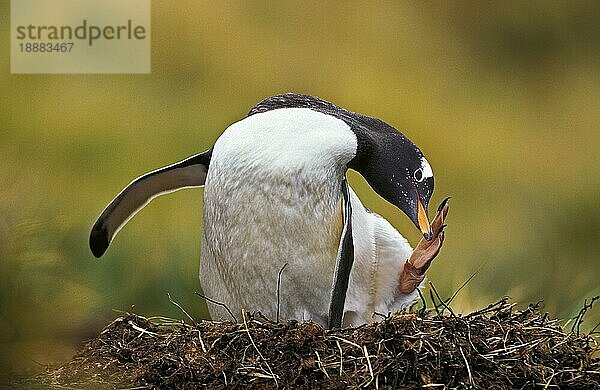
(504, 99)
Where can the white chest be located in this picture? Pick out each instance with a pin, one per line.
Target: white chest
(273, 197)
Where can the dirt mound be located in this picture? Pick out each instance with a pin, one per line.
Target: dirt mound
(494, 348)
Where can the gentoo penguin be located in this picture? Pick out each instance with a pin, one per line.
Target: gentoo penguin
(275, 195)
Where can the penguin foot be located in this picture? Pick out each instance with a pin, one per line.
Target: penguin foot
(415, 267)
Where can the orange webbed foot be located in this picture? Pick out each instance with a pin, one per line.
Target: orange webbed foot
(424, 253)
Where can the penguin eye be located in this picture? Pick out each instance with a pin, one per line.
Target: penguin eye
(418, 175)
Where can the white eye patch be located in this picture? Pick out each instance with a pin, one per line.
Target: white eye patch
(426, 168)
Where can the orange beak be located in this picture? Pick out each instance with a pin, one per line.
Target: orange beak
(424, 221)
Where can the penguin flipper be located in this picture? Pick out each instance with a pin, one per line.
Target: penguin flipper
(343, 265)
(190, 172)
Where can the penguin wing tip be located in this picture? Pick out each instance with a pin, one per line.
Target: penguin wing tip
(99, 241)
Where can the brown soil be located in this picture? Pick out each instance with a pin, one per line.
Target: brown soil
(498, 347)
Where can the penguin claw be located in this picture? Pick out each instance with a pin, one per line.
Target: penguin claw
(443, 203)
(415, 267)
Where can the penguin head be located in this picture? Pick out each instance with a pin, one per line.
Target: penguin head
(392, 165)
(396, 169)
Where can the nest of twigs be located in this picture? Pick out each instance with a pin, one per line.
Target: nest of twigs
(497, 347)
